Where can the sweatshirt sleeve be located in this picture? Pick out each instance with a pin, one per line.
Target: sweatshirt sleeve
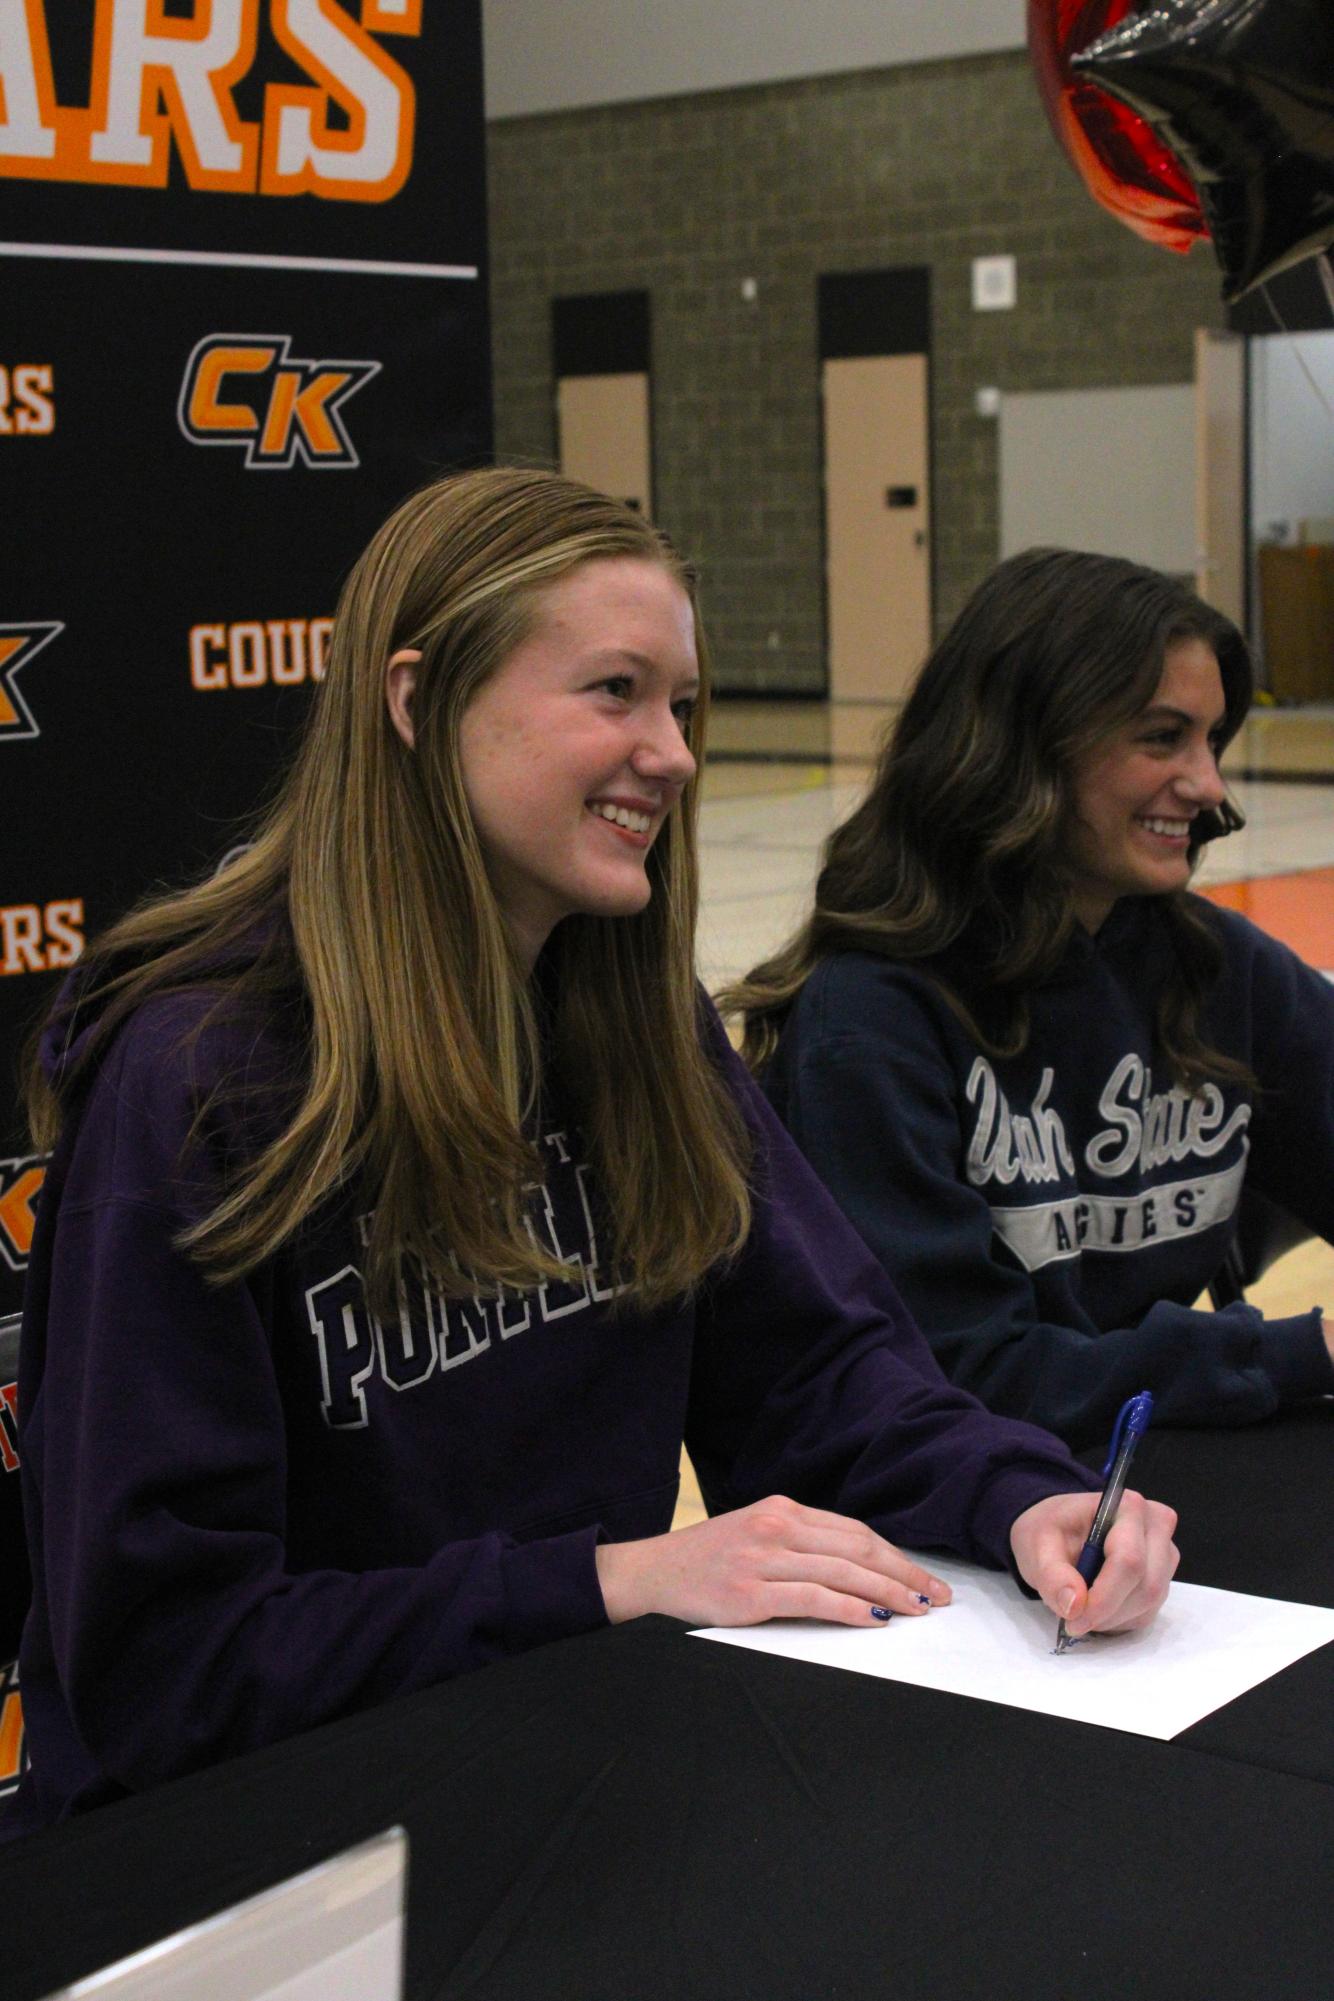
(1291, 1009)
(811, 1379)
(155, 1468)
(873, 1106)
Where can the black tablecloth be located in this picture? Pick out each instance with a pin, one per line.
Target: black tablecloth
(642, 1816)
(1257, 1514)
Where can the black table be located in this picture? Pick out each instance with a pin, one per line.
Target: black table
(641, 1816)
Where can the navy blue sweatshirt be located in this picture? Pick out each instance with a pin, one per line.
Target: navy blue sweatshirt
(1049, 1218)
(255, 1508)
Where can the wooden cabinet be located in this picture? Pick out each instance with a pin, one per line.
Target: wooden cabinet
(1297, 621)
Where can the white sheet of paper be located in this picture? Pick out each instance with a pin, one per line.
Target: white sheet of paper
(1204, 1649)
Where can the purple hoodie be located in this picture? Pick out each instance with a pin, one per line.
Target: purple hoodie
(254, 1508)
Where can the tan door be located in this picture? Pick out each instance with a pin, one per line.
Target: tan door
(877, 524)
(604, 434)
(1220, 471)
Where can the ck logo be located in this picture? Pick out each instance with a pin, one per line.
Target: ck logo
(20, 1182)
(250, 390)
(18, 645)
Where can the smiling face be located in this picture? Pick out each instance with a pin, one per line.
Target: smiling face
(1138, 793)
(574, 751)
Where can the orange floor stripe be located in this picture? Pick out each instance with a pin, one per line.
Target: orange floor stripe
(1299, 909)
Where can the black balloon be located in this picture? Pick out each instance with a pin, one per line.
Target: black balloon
(1242, 91)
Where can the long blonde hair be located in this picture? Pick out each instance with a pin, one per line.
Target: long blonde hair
(366, 895)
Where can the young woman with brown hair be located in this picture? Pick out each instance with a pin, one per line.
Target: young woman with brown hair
(1031, 1067)
(408, 1205)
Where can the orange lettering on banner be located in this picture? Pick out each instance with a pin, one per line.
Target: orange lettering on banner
(252, 653)
(20, 643)
(277, 433)
(285, 671)
(158, 78)
(207, 412)
(154, 77)
(27, 405)
(206, 674)
(9, 714)
(28, 124)
(21, 939)
(255, 653)
(17, 1217)
(301, 424)
(40, 939)
(143, 58)
(245, 655)
(9, 1427)
(64, 932)
(11, 1737)
(20, 1184)
(372, 157)
(310, 409)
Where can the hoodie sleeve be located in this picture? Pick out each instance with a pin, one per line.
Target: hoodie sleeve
(1291, 1012)
(155, 1468)
(871, 1099)
(811, 1379)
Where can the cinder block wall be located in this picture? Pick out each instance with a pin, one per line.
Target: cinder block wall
(930, 164)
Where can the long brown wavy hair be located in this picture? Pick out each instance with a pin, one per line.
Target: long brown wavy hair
(958, 857)
(365, 896)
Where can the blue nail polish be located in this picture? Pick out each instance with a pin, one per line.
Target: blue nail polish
(922, 1598)
(880, 1612)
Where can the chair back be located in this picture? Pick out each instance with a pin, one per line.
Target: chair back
(1262, 1233)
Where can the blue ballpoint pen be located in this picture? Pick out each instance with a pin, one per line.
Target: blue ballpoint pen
(1131, 1424)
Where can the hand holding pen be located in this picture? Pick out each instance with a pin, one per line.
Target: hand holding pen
(1050, 1543)
(1131, 1424)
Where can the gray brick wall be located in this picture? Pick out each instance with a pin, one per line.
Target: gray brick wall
(930, 164)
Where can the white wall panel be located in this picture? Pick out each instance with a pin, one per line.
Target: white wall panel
(1111, 470)
(1292, 432)
(546, 57)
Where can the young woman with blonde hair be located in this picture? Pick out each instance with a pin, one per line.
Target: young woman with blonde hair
(1032, 1068)
(408, 1205)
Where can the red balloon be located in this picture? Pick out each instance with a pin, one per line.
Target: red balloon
(1121, 159)
(1241, 92)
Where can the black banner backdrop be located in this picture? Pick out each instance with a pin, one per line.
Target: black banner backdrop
(242, 313)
